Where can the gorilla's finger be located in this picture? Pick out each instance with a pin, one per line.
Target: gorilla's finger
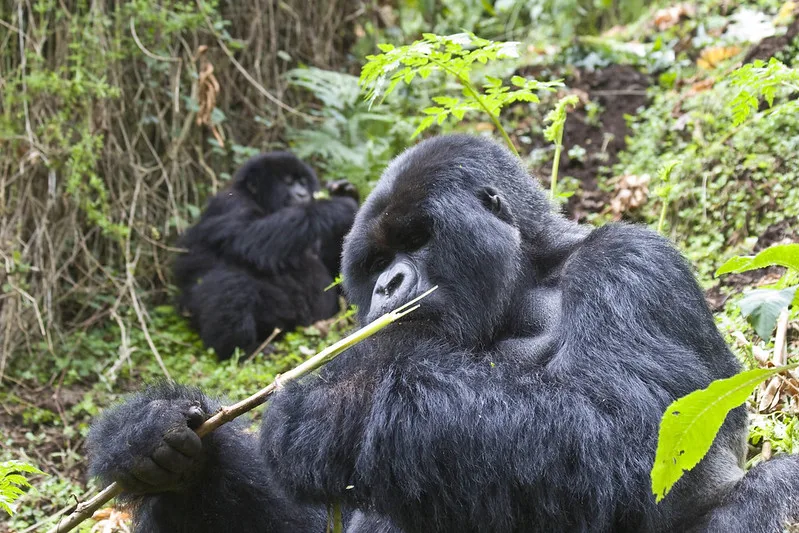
(171, 459)
(185, 441)
(195, 416)
(343, 188)
(132, 485)
(146, 471)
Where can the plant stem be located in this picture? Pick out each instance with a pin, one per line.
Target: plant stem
(476, 95)
(662, 220)
(494, 118)
(86, 509)
(553, 180)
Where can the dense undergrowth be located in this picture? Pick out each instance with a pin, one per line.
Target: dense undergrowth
(653, 87)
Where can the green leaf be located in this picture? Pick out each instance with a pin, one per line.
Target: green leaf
(763, 306)
(557, 117)
(423, 125)
(518, 81)
(446, 101)
(493, 82)
(690, 425)
(11, 482)
(786, 255)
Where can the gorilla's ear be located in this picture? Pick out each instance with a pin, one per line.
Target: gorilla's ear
(496, 204)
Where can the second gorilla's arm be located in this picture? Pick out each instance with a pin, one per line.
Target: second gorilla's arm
(271, 242)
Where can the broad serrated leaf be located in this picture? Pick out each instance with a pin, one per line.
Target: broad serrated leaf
(518, 81)
(786, 255)
(446, 101)
(12, 482)
(6, 506)
(493, 82)
(762, 307)
(423, 125)
(16, 479)
(690, 425)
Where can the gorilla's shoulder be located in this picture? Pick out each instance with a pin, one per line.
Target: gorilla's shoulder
(623, 250)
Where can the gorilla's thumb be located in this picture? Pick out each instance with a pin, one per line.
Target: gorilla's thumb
(195, 416)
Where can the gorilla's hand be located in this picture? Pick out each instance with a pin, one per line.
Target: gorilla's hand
(148, 444)
(344, 188)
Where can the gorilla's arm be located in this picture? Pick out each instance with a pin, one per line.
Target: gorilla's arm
(176, 483)
(761, 502)
(270, 242)
(444, 430)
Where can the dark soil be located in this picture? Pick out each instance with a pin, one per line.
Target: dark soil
(620, 90)
(33, 418)
(771, 46)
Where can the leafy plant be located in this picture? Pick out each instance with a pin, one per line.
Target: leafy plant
(690, 425)
(760, 80)
(13, 483)
(712, 206)
(455, 55)
(664, 191)
(346, 139)
(763, 306)
(554, 133)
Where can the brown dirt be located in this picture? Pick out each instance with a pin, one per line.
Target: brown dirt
(620, 90)
(22, 407)
(771, 46)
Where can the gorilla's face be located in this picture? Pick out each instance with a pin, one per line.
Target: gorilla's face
(276, 180)
(299, 190)
(439, 216)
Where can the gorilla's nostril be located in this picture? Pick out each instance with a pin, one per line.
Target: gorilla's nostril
(395, 282)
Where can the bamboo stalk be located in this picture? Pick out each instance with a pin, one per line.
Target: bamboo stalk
(86, 509)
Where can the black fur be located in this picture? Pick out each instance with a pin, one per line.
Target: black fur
(524, 395)
(260, 257)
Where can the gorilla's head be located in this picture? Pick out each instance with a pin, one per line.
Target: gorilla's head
(456, 211)
(276, 180)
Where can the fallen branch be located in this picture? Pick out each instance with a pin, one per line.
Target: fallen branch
(85, 509)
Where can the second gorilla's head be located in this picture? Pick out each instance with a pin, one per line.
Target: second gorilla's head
(276, 180)
(456, 211)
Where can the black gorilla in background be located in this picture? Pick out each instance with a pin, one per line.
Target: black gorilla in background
(262, 254)
(523, 396)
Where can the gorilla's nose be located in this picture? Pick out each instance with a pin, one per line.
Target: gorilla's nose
(394, 286)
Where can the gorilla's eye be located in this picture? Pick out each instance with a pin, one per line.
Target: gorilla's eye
(377, 262)
(492, 201)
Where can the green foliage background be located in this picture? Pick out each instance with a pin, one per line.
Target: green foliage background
(103, 164)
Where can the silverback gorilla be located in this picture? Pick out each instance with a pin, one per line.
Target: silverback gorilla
(523, 396)
(262, 254)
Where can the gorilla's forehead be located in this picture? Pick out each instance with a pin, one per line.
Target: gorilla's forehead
(438, 166)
